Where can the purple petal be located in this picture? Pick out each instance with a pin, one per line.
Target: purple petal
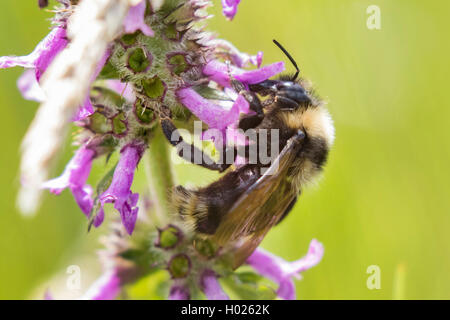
(124, 89)
(74, 177)
(107, 287)
(179, 293)
(29, 86)
(218, 72)
(12, 61)
(257, 61)
(239, 59)
(47, 50)
(312, 258)
(215, 116)
(230, 8)
(281, 271)
(85, 110)
(243, 60)
(266, 264)
(98, 219)
(135, 20)
(83, 197)
(42, 55)
(211, 287)
(286, 289)
(128, 211)
(75, 174)
(119, 192)
(259, 75)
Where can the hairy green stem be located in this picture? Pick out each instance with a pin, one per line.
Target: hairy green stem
(158, 168)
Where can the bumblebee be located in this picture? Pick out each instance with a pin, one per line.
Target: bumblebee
(246, 202)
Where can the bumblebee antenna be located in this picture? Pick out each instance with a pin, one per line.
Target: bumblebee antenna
(290, 58)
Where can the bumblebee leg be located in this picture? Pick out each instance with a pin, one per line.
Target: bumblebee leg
(251, 97)
(250, 121)
(188, 151)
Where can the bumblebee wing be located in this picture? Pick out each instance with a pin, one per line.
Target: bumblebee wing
(269, 215)
(260, 207)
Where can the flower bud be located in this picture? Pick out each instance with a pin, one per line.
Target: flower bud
(179, 266)
(139, 60)
(205, 248)
(168, 237)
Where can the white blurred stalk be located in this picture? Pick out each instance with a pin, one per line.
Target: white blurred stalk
(93, 25)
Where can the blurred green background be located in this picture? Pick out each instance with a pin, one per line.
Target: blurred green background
(384, 198)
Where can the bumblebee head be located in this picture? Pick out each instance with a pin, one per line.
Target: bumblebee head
(290, 94)
(287, 90)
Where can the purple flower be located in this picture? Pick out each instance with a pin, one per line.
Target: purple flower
(281, 271)
(74, 177)
(107, 287)
(37, 62)
(218, 72)
(135, 20)
(43, 54)
(179, 292)
(239, 59)
(230, 8)
(85, 110)
(211, 287)
(214, 115)
(29, 86)
(119, 191)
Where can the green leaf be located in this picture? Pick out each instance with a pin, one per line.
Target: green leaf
(106, 181)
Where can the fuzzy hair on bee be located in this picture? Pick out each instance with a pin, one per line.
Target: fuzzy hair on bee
(246, 202)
